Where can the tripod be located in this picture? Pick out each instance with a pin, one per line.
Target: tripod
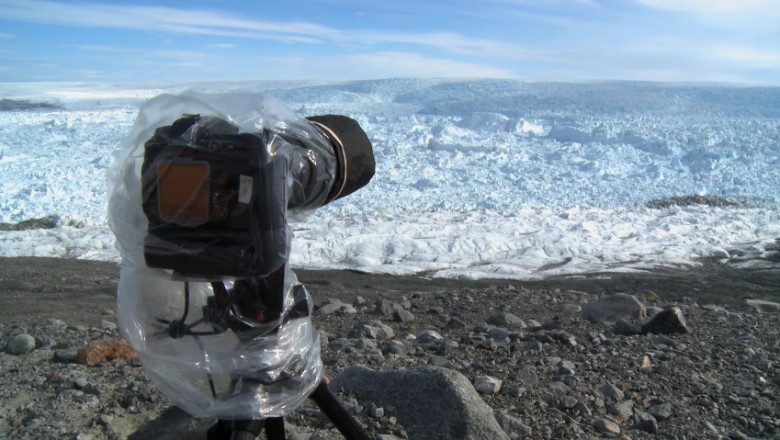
(274, 426)
(262, 301)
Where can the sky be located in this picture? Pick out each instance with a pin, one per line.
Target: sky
(178, 41)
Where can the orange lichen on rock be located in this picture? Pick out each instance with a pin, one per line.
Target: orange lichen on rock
(105, 350)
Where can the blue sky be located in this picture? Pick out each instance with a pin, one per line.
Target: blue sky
(145, 41)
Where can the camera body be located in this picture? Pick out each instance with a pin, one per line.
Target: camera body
(215, 200)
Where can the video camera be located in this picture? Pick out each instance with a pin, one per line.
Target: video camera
(216, 199)
(203, 190)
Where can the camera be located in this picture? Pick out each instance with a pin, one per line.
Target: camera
(216, 199)
(203, 189)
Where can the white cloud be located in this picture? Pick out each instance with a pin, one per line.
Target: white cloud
(2, 35)
(746, 15)
(186, 21)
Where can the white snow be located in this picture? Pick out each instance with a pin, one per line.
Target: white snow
(474, 178)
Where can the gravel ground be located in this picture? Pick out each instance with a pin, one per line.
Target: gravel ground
(544, 369)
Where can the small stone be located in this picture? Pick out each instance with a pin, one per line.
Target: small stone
(372, 330)
(80, 383)
(53, 322)
(436, 310)
(738, 435)
(625, 328)
(329, 309)
(377, 411)
(386, 308)
(429, 336)
(438, 361)
(606, 426)
(558, 388)
(107, 325)
(20, 344)
(763, 306)
(66, 356)
(513, 425)
(567, 402)
(499, 334)
(581, 410)
(668, 321)
(646, 422)
(487, 384)
(506, 320)
(455, 323)
(44, 342)
(394, 347)
(403, 316)
(566, 368)
(610, 392)
(623, 409)
(662, 411)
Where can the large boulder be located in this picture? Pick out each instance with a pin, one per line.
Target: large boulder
(610, 308)
(431, 403)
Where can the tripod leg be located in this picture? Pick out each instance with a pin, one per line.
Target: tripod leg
(333, 410)
(235, 430)
(274, 428)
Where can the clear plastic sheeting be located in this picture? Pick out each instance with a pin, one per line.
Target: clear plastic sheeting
(200, 194)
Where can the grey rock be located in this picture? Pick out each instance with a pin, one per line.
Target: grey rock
(610, 308)
(455, 323)
(512, 425)
(567, 402)
(403, 316)
(505, 319)
(44, 342)
(646, 422)
(606, 426)
(429, 336)
(581, 409)
(372, 330)
(108, 325)
(55, 323)
(558, 388)
(625, 328)
(429, 402)
(499, 334)
(66, 356)
(20, 344)
(385, 307)
(668, 321)
(436, 310)
(527, 376)
(487, 384)
(394, 347)
(763, 306)
(329, 309)
(566, 368)
(610, 392)
(438, 361)
(662, 411)
(623, 409)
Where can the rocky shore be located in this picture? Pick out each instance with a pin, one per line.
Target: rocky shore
(688, 355)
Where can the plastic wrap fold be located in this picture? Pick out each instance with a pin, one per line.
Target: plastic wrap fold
(230, 225)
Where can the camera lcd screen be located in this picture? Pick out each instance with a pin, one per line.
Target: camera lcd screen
(183, 192)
